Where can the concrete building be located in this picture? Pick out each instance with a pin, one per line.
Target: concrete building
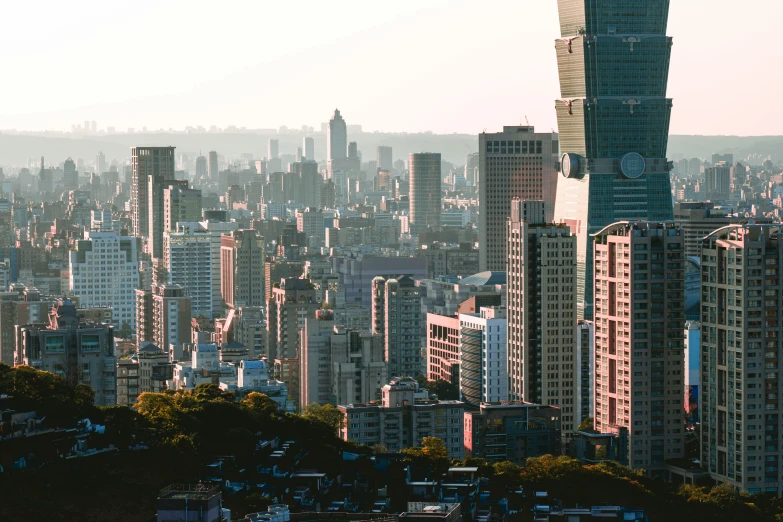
(308, 148)
(357, 273)
(461, 261)
(336, 140)
(740, 357)
(483, 357)
(516, 163)
(212, 166)
(180, 204)
(273, 149)
(425, 192)
(541, 299)
(242, 255)
(171, 315)
(287, 371)
(401, 420)
(104, 271)
(80, 353)
(315, 369)
(70, 175)
(399, 320)
(443, 348)
(359, 370)
(310, 221)
(187, 258)
(639, 325)
(148, 163)
(699, 220)
(384, 159)
(512, 431)
(717, 182)
(19, 306)
(292, 302)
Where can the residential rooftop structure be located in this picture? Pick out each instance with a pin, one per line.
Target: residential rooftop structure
(401, 420)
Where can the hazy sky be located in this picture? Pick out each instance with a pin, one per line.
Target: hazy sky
(394, 65)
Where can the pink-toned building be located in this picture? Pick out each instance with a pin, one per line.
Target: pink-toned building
(443, 348)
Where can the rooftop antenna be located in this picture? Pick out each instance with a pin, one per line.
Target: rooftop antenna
(527, 122)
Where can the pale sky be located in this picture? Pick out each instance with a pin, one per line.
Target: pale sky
(398, 65)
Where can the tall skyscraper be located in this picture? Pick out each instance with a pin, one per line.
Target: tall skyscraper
(156, 163)
(425, 195)
(336, 138)
(639, 333)
(308, 148)
(212, 166)
(273, 149)
(201, 167)
(242, 268)
(100, 163)
(516, 163)
(741, 381)
(384, 159)
(613, 122)
(292, 302)
(70, 176)
(541, 302)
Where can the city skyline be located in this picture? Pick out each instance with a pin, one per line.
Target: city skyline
(232, 78)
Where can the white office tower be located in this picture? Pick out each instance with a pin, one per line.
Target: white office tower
(104, 271)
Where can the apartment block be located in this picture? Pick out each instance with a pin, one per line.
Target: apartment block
(741, 382)
(639, 349)
(403, 418)
(541, 300)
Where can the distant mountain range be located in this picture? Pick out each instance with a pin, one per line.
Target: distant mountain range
(15, 150)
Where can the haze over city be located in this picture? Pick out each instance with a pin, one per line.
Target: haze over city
(407, 261)
(402, 66)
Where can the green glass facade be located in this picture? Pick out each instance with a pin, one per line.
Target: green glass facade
(613, 61)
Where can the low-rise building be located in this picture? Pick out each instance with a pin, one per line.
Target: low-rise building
(512, 431)
(401, 420)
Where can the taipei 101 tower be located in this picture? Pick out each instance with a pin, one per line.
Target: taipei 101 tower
(613, 118)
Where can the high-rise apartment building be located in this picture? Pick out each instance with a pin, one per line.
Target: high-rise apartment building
(741, 382)
(425, 194)
(70, 176)
(148, 163)
(516, 163)
(541, 300)
(212, 166)
(201, 168)
(384, 159)
(315, 368)
(399, 320)
(273, 149)
(291, 303)
(100, 163)
(442, 349)
(359, 370)
(242, 268)
(188, 260)
(613, 122)
(104, 271)
(308, 148)
(21, 305)
(639, 325)
(171, 315)
(180, 204)
(717, 182)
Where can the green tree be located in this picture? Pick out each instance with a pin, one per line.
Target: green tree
(586, 424)
(259, 403)
(209, 392)
(125, 331)
(325, 414)
(507, 476)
